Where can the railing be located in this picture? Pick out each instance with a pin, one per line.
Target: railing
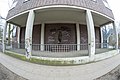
(48, 47)
(55, 47)
(1, 47)
(83, 46)
(104, 45)
(16, 47)
(58, 47)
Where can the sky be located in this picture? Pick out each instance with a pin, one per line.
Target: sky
(4, 7)
(114, 5)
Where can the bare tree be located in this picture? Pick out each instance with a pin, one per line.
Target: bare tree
(10, 29)
(1, 30)
(118, 33)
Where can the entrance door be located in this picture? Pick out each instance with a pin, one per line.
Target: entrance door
(60, 34)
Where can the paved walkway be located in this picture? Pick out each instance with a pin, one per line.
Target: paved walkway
(42, 72)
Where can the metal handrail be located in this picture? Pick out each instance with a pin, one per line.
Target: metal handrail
(58, 47)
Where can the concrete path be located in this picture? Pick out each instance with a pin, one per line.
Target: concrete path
(42, 72)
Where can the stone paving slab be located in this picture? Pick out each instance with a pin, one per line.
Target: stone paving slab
(42, 72)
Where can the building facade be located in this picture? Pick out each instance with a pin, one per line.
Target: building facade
(60, 26)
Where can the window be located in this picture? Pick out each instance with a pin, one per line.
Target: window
(14, 4)
(25, 1)
(94, 0)
(106, 4)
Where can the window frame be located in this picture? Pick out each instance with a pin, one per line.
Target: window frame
(13, 5)
(25, 1)
(106, 4)
(94, 0)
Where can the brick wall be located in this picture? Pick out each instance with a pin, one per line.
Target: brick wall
(36, 36)
(84, 36)
(71, 40)
(22, 34)
(68, 33)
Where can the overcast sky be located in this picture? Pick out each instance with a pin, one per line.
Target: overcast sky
(114, 4)
(4, 7)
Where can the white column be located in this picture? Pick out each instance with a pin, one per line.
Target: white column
(42, 36)
(28, 34)
(101, 37)
(91, 35)
(11, 37)
(116, 35)
(78, 36)
(4, 36)
(18, 36)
